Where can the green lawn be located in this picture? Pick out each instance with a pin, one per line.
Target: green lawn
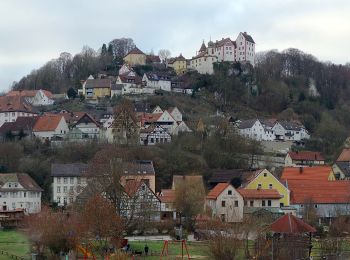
(155, 247)
(13, 242)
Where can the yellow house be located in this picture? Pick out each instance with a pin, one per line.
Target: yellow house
(135, 57)
(264, 179)
(97, 88)
(178, 64)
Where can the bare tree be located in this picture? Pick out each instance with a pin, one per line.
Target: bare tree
(164, 54)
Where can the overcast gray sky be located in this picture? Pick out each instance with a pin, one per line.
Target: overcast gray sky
(35, 31)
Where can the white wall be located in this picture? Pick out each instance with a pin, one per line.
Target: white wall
(74, 185)
(12, 116)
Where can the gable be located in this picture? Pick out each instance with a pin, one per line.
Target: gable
(166, 117)
(269, 179)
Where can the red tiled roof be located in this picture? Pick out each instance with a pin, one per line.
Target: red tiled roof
(47, 122)
(149, 117)
(135, 51)
(306, 173)
(72, 117)
(317, 191)
(217, 190)
(306, 156)
(344, 155)
(28, 93)
(167, 195)
(290, 224)
(259, 193)
(131, 187)
(14, 103)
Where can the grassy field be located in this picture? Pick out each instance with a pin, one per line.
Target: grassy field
(13, 242)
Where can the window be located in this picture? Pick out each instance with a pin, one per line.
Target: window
(315, 206)
(281, 204)
(65, 200)
(270, 186)
(65, 189)
(269, 203)
(229, 192)
(71, 180)
(252, 203)
(58, 189)
(236, 203)
(58, 179)
(223, 204)
(263, 203)
(58, 200)
(245, 203)
(222, 217)
(259, 186)
(65, 180)
(265, 174)
(78, 180)
(24, 194)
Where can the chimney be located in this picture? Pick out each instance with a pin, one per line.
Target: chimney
(301, 170)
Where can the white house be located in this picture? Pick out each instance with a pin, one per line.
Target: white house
(167, 198)
(154, 134)
(290, 131)
(12, 107)
(260, 198)
(157, 80)
(39, 97)
(68, 181)
(245, 48)
(88, 126)
(140, 202)
(49, 126)
(131, 83)
(203, 62)
(254, 129)
(224, 49)
(226, 203)
(19, 191)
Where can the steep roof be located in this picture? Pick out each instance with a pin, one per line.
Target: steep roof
(306, 156)
(248, 37)
(135, 51)
(203, 48)
(72, 117)
(86, 118)
(291, 125)
(344, 155)
(319, 191)
(152, 58)
(48, 122)
(343, 166)
(98, 83)
(290, 224)
(22, 178)
(223, 42)
(29, 93)
(217, 190)
(127, 78)
(131, 187)
(227, 175)
(156, 76)
(319, 173)
(14, 103)
(247, 123)
(21, 123)
(259, 193)
(68, 169)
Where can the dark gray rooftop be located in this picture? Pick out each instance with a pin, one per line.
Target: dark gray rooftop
(68, 170)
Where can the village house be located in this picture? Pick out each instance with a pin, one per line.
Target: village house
(68, 182)
(290, 131)
(301, 158)
(34, 97)
(12, 107)
(253, 129)
(168, 210)
(139, 202)
(139, 170)
(321, 173)
(50, 125)
(154, 134)
(264, 179)
(97, 88)
(18, 191)
(260, 198)
(88, 126)
(21, 128)
(131, 82)
(157, 81)
(225, 202)
(341, 167)
(135, 57)
(179, 64)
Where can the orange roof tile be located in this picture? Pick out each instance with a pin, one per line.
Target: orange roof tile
(48, 122)
(28, 93)
(167, 196)
(131, 187)
(291, 225)
(306, 156)
(14, 103)
(344, 155)
(317, 191)
(306, 173)
(217, 190)
(259, 193)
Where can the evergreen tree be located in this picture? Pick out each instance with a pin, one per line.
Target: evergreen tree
(104, 51)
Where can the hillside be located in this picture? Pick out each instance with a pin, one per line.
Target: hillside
(284, 85)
